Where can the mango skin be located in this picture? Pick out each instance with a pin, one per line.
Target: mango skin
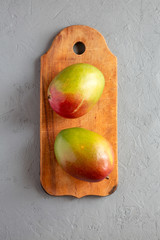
(84, 154)
(75, 90)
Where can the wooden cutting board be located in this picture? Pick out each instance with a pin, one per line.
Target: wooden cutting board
(101, 119)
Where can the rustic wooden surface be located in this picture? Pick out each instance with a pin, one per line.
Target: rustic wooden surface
(101, 119)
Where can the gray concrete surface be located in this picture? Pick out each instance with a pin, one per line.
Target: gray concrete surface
(132, 31)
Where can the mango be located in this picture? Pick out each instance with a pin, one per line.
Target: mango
(75, 90)
(84, 154)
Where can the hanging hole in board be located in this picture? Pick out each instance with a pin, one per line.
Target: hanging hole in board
(79, 48)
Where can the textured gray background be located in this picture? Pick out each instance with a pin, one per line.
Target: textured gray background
(132, 31)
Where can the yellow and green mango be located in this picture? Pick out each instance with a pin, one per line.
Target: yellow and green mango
(75, 90)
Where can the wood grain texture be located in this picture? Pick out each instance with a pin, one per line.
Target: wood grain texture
(101, 119)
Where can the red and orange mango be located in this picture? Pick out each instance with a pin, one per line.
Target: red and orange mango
(84, 154)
